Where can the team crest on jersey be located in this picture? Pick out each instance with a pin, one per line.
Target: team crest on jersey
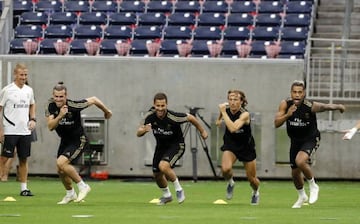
(307, 115)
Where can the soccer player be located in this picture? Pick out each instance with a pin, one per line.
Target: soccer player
(17, 106)
(64, 116)
(299, 114)
(170, 147)
(238, 144)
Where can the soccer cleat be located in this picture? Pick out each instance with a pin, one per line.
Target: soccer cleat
(82, 193)
(164, 200)
(229, 191)
(255, 199)
(180, 196)
(301, 200)
(26, 193)
(314, 193)
(67, 199)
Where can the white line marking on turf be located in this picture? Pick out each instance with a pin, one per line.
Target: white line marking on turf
(82, 216)
(10, 215)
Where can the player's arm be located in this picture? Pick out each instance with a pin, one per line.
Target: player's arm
(321, 107)
(282, 115)
(350, 133)
(143, 129)
(1, 125)
(233, 126)
(32, 116)
(95, 101)
(52, 121)
(192, 119)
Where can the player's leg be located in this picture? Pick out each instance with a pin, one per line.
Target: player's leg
(227, 161)
(23, 148)
(250, 168)
(70, 191)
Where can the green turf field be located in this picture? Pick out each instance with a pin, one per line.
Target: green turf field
(117, 201)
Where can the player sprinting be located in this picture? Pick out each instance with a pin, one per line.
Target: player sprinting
(170, 146)
(299, 114)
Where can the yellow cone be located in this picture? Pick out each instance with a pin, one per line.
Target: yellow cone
(220, 202)
(154, 201)
(9, 199)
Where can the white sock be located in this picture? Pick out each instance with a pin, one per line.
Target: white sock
(23, 186)
(70, 192)
(256, 192)
(166, 192)
(177, 185)
(81, 184)
(231, 181)
(312, 182)
(301, 192)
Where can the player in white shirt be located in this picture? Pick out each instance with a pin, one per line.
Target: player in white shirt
(17, 107)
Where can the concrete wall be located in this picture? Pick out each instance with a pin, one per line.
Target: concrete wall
(127, 86)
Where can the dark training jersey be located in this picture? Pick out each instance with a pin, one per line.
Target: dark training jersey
(70, 126)
(167, 130)
(302, 124)
(242, 136)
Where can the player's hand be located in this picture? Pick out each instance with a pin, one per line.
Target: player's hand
(349, 134)
(108, 114)
(63, 110)
(342, 108)
(204, 134)
(291, 110)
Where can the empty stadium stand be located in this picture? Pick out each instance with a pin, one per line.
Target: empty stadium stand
(169, 22)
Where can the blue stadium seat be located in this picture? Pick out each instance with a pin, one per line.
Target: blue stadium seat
(240, 19)
(177, 32)
(297, 19)
(122, 18)
(47, 46)
(48, 6)
(28, 31)
(132, 6)
(299, 7)
(77, 46)
(20, 6)
(215, 6)
(236, 33)
(268, 19)
(207, 33)
(200, 47)
(169, 47)
(104, 6)
(270, 7)
(34, 18)
(138, 47)
(211, 19)
(152, 18)
(293, 48)
(147, 32)
(159, 6)
(77, 6)
(58, 31)
(92, 18)
(108, 46)
(258, 47)
(265, 33)
(182, 19)
(87, 32)
(229, 47)
(187, 6)
(17, 46)
(243, 7)
(118, 32)
(294, 33)
(65, 18)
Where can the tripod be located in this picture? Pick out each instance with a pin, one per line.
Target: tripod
(194, 147)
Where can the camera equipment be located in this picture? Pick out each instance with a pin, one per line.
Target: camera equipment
(194, 145)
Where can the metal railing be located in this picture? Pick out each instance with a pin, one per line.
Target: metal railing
(6, 23)
(333, 70)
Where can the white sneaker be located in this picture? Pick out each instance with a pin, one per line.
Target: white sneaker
(180, 196)
(67, 199)
(300, 201)
(314, 193)
(82, 193)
